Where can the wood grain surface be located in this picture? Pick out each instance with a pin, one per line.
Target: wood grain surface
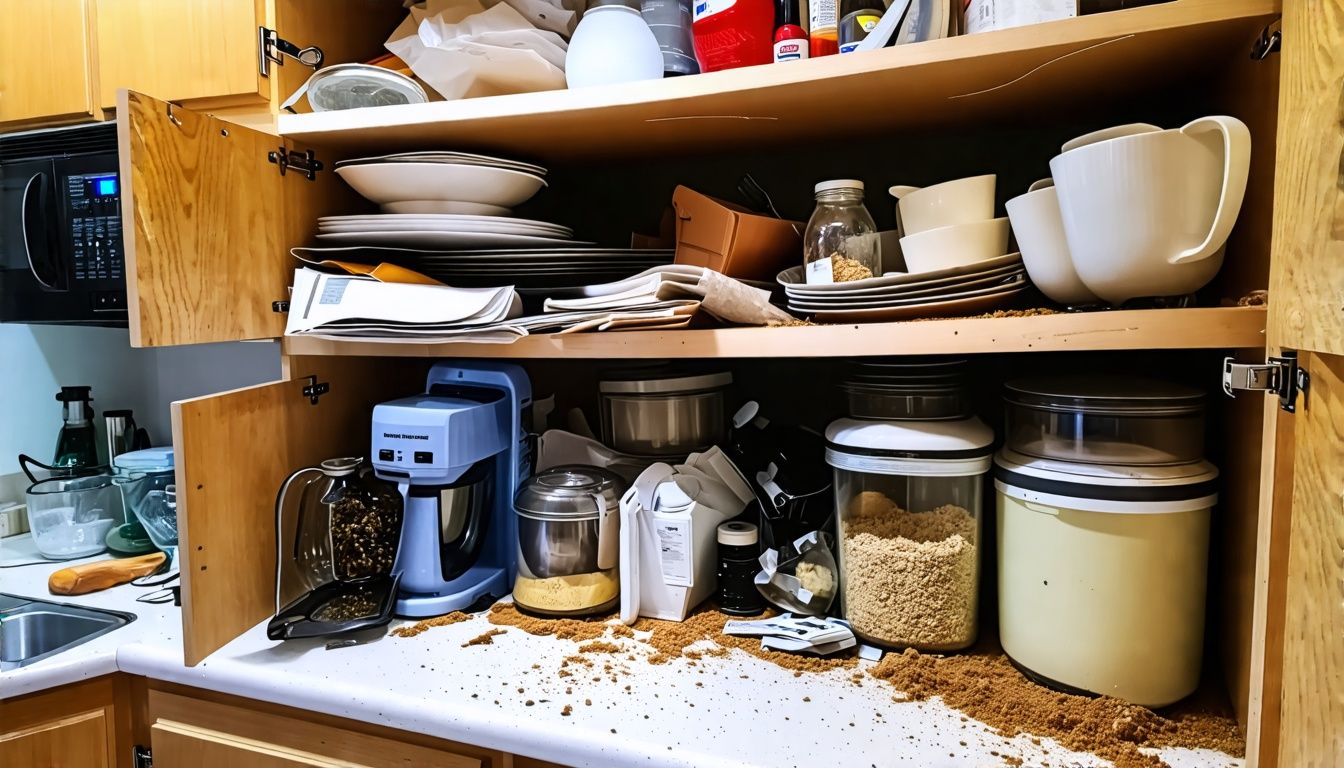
(1312, 732)
(213, 224)
(45, 70)
(1307, 281)
(85, 723)
(234, 450)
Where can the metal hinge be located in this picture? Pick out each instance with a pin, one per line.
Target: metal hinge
(1278, 375)
(280, 307)
(142, 757)
(271, 47)
(300, 161)
(1269, 41)
(315, 389)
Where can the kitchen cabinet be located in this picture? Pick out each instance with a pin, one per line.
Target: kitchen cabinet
(45, 67)
(204, 50)
(215, 210)
(197, 729)
(81, 724)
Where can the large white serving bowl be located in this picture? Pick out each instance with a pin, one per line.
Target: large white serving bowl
(385, 183)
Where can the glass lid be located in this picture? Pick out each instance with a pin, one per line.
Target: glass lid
(569, 493)
(1086, 393)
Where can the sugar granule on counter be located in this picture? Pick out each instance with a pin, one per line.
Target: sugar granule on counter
(986, 686)
(599, 646)
(580, 630)
(567, 711)
(411, 630)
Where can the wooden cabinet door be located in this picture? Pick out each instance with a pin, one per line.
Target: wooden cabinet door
(44, 62)
(204, 51)
(233, 452)
(78, 741)
(181, 746)
(209, 221)
(1303, 600)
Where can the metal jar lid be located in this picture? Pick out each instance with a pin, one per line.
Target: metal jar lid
(569, 493)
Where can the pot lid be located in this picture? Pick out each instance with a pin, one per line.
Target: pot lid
(568, 493)
(666, 386)
(146, 460)
(959, 436)
(1113, 475)
(1087, 393)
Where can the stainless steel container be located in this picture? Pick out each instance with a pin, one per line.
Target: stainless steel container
(568, 541)
(665, 416)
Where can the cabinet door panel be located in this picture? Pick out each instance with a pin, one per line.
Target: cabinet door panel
(204, 49)
(44, 61)
(233, 452)
(180, 746)
(210, 224)
(78, 741)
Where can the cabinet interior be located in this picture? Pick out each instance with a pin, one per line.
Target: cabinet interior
(608, 198)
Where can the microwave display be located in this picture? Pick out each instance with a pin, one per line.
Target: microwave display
(95, 226)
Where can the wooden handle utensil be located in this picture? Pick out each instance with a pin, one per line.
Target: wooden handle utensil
(91, 577)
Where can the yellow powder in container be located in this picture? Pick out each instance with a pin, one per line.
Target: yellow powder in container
(580, 592)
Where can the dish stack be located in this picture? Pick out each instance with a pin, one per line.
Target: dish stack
(951, 224)
(978, 287)
(1103, 522)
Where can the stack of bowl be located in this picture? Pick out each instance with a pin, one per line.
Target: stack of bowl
(951, 224)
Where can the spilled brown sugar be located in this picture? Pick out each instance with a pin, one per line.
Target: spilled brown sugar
(487, 638)
(419, 627)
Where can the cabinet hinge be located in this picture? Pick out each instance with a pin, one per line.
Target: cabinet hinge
(300, 161)
(1269, 41)
(280, 307)
(271, 47)
(1277, 375)
(315, 389)
(142, 757)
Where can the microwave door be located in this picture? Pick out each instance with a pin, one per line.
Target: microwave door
(29, 234)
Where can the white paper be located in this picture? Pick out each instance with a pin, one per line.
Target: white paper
(723, 297)
(676, 548)
(319, 299)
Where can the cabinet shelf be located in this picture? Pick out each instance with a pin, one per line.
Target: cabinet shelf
(1213, 328)
(1086, 61)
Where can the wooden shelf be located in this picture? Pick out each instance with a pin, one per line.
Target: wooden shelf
(1215, 328)
(1011, 73)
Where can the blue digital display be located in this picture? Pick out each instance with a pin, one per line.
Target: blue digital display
(105, 186)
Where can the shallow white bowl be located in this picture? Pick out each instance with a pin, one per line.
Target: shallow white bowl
(446, 206)
(385, 183)
(956, 245)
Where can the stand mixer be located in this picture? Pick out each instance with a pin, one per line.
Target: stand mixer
(457, 453)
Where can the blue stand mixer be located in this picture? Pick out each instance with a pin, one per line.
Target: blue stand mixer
(457, 453)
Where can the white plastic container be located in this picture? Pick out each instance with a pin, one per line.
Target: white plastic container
(1102, 574)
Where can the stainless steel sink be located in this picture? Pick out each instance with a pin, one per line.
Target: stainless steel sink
(32, 630)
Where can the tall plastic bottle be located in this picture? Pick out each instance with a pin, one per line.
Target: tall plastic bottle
(823, 27)
(733, 33)
(670, 21)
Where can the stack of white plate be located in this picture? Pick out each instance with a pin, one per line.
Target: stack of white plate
(443, 182)
(534, 271)
(963, 290)
(440, 230)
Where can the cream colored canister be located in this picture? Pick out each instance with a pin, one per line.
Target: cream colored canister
(1102, 584)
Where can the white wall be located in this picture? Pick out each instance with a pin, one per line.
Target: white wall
(35, 361)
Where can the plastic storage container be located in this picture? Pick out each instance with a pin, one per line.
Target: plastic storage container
(920, 389)
(70, 517)
(146, 480)
(569, 541)
(1105, 420)
(1102, 574)
(664, 416)
(908, 500)
(841, 241)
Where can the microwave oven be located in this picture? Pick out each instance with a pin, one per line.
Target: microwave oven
(62, 259)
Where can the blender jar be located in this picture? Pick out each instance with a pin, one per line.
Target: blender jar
(71, 516)
(568, 541)
(908, 504)
(147, 482)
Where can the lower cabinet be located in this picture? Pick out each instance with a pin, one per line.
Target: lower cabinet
(81, 725)
(199, 729)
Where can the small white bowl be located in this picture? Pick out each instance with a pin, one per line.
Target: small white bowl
(1045, 251)
(956, 245)
(960, 201)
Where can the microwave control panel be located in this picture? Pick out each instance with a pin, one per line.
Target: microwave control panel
(94, 201)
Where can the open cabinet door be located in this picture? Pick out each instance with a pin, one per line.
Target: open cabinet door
(1303, 577)
(234, 449)
(209, 223)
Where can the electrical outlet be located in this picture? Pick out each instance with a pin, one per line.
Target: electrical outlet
(13, 520)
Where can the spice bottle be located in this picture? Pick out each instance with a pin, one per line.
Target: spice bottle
(823, 20)
(841, 242)
(790, 39)
(857, 19)
(739, 563)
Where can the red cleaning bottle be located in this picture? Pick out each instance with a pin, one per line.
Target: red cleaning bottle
(733, 33)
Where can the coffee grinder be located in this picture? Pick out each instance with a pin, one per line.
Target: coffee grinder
(457, 453)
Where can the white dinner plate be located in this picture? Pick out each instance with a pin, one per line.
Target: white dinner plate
(794, 283)
(446, 206)
(441, 239)
(432, 156)
(407, 255)
(968, 306)
(917, 291)
(411, 226)
(807, 306)
(396, 182)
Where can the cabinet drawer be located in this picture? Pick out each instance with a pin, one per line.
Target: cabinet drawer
(188, 732)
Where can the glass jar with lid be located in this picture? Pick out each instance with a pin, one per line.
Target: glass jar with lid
(841, 242)
(908, 504)
(568, 541)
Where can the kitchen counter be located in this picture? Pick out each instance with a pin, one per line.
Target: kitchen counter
(735, 710)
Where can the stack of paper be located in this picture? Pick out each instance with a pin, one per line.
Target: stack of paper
(679, 284)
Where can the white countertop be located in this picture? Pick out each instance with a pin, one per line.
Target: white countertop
(732, 711)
